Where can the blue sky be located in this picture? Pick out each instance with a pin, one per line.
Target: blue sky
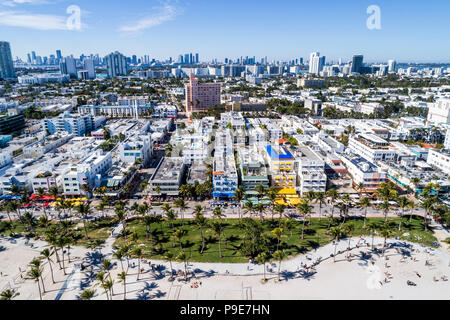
(415, 31)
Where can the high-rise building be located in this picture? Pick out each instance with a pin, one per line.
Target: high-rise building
(196, 58)
(357, 63)
(201, 96)
(134, 60)
(6, 62)
(116, 64)
(89, 67)
(392, 64)
(68, 66)
(29, 58)
(58, 55)
(316, 63)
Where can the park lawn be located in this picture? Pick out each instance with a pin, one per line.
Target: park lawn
(97, 231)
(314, 236)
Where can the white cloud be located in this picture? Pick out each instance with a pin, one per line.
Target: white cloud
(33, 21)
(166, 13)
(13, 3)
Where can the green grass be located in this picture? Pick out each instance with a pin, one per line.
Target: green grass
(98, 231)
(315, 236)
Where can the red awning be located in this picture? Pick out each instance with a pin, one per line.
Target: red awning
(35, 197)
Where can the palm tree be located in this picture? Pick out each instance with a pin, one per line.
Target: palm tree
(279, 208)
(248, 208)
(385, 206)
(386, 232)
(217, 213)
(332, 195)
(123, 278)
(109, 285)
(304, 209)
(364, 203)
(372, 227)
(260, 189)
(238, 196)
(46, 254)
(277, 233)
(36, 274)
(320, 198)
(84, 211)
(310, 196)
(8, 294)
(183, 257)
(263, 258)
(411, 207)
(169, 257)
(87, 294)
(348, 229)
(202, 223)
(428, 205)
(260, 209)
(138, 253)
(336, 233)
(403, 203)
(279, 256)
(181, 205)
(120, 215)
(218, 229)
(101, 278)
(179, 234)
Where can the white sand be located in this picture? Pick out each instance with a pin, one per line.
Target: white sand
(357, 279)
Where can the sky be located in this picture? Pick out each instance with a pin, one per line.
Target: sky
(409, 31)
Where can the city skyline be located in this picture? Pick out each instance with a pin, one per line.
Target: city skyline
(220, 31)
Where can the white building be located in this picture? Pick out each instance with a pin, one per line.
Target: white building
(440, 160)
(439, 112)
(371, 147)
(311, 171)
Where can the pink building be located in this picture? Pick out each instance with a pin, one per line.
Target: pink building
(201, 96)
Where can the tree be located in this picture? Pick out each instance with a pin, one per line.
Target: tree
(183, 257)
(386, 232)
(428, 205)
(279, 256)
(202, 223)
(372, 227)
(87, 294)
(304, 209)
(336, 233)
(364, 203)
(46, 254)
(348, 229)
(179, 234)
(332, 195)
(279, 208)
(385, 206)
(277, 233)
(169, 257)
(238, 196)
(248, 208)
(403, 203)
(84, 211)
(218, 230)
(320, 198)
(123, 278)
(181, 204)
(8, 294)
(36, 274)
(263, 258)
(137, 251)
(101, 278)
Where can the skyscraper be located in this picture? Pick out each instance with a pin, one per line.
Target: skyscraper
(6, 62)
(89, 67)
(196, 58)
(392, 65)
(316, 63)
(58, 55)
(357, 63)
(117, 64)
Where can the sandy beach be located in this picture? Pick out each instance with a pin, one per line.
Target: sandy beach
(363, 276)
